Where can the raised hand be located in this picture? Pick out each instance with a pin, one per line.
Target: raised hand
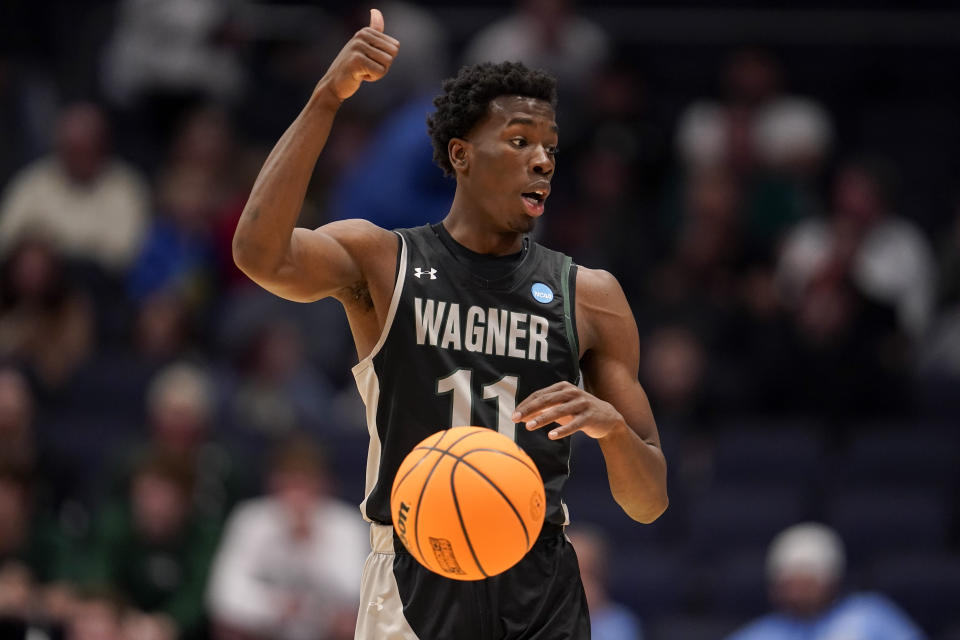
(366, 57)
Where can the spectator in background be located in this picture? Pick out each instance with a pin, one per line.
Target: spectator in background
(805, 567)
(87, 205)
(673, 371)
(16, 421)
(756, 124)
(167, 55)
(886, 257)
(179, 405)
(390, 193)
(156, 549)
(545, 34)
(51, 481)
(195, 186)
(277, 390)
(609, 620)
(45, 323)
(774, 144)
(162, 329)
(32, 553)
(287, 565)
(696, 280)
(178, 254)
(856, 287)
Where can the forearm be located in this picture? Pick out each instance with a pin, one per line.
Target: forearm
(637, 473)
(263, 236)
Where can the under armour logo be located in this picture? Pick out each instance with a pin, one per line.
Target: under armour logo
(417, 271)
(378, 604)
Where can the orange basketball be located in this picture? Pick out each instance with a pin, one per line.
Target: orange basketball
(467, 503)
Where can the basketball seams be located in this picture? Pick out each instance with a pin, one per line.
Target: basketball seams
(523, 525)
(463, 526)
(413, 486)
(460, 458)
(423, 489)
(533, 470)
(399, 482)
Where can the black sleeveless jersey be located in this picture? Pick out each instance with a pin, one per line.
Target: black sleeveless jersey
(458, 349)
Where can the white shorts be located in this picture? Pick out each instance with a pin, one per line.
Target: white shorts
(381, 610)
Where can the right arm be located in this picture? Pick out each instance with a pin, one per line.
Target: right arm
(302, 264)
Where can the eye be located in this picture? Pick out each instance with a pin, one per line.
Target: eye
(553, 151)
(519, 143)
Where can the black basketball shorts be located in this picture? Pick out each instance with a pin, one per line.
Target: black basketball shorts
(541, 598)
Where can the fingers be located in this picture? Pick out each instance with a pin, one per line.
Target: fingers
(379, 40)
(376, 20)
(568, 429)
(381, 57)
(377, 53)
(542, 399)
(558, 413)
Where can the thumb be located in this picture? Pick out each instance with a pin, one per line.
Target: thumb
(376, 20)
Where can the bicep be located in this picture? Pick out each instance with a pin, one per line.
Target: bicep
(322, 262)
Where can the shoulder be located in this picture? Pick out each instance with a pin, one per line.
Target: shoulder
(597, 283)
(37, 173)
(360, 234)
(871, 604)
(602, 308)
(599, 294)
(371, 247)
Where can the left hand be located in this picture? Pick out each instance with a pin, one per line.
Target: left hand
(572, 408)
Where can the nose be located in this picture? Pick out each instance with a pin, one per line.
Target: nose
(541, 162)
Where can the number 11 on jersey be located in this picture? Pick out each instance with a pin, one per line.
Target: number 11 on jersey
(504, 390)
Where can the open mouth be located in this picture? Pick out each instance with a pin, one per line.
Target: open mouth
(534, 197)
(533, 201)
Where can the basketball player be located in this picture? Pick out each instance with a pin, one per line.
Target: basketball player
(465, 322)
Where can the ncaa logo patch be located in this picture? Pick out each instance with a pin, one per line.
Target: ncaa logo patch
(541, 293)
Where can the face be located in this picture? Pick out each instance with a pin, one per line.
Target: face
(15, 406)
(159, 507)
(505, 164)
(82, 141)
(298, 491)
(857, 196)
(802, 594)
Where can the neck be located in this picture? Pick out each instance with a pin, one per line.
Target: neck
(471, 227)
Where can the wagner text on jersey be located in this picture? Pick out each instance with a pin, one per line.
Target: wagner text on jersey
(491, 331)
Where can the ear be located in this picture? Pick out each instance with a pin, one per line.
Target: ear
(458, 151)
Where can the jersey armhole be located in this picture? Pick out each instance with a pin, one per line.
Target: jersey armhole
(568, 283)
(401, 269)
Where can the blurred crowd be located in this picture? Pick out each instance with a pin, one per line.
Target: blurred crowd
(181, 453)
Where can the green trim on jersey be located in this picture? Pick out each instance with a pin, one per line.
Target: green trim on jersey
(567, 272)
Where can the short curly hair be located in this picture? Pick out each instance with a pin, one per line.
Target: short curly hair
(467, 95)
